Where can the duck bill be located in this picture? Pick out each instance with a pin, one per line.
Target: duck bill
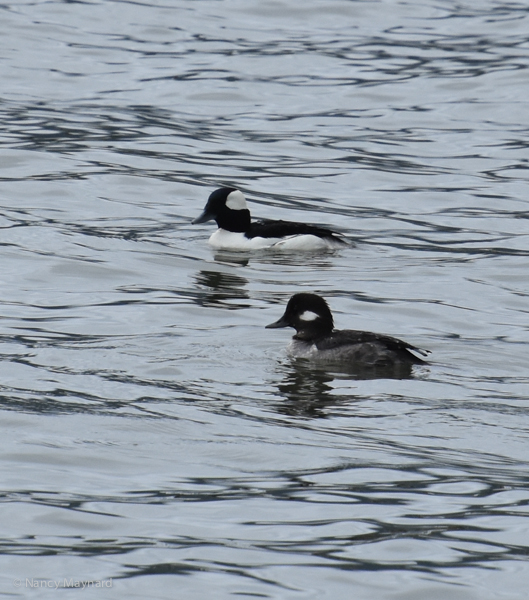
(203, 218)
(281, 323)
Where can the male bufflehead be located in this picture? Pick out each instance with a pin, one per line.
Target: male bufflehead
(317, 339)
(227, 206)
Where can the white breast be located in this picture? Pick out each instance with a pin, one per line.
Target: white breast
(302, 349)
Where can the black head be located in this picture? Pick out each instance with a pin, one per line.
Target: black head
(309, 315)
(226, 206)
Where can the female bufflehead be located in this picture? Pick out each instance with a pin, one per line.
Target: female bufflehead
(227, 206)
(317, 339)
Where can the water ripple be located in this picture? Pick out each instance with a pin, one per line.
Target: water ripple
(149, 418)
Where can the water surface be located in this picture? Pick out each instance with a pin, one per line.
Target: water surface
(155, 435)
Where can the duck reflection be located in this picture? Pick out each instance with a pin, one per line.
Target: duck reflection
(269, 257)
(221, 289)
(306, 389)
(237, 259)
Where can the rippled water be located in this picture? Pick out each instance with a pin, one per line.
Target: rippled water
(155, 437)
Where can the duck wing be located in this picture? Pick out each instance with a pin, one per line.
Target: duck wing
(278, 229)
(351, 338)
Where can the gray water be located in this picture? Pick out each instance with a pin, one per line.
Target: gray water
(156, 440)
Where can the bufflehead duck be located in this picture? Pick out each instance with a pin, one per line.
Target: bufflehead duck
(316, 338)
(227, 206)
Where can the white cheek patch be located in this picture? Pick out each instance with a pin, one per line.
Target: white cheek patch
(308, 315)
(236, 201)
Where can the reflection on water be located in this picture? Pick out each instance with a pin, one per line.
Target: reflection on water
(221, 289)
(240, 259)
(316, 260)
(304, 391)
(149, 424)
(306, 388)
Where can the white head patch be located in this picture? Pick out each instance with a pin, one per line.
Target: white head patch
(236, 201)
(308, 315)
